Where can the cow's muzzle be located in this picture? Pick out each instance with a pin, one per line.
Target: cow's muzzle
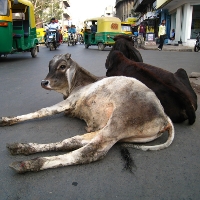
(45, 84)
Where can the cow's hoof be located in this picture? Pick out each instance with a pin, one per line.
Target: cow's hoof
(19, 167)
(3, 122)
(7, 121)
(33, 165)
(20, 148)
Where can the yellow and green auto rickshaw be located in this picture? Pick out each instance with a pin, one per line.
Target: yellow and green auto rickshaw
(17, 28)
(107, 28)
(126, 28)
(40, 35)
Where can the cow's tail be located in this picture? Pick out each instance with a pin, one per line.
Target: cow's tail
(171, 133)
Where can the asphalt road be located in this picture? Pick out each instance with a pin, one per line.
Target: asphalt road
(169, 174)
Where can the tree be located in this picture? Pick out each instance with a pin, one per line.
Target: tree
(45, 10)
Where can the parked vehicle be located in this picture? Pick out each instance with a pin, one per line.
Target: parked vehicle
(51, 39)
(136, 41)
(17, 28)
(197, 44)
(107, 28)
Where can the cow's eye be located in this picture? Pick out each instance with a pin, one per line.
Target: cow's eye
(62, 67)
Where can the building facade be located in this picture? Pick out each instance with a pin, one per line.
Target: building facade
(147, 11)
(184, 17)
(124, 9)
(149, 17)
(109, 11)
(65, 15)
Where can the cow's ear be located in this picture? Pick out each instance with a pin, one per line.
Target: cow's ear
(68, 56)
(70, 75)
(109, 63)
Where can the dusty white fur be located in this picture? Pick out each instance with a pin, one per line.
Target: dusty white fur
(116, 109)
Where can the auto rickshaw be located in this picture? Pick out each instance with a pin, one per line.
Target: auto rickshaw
(107, 28)
(40, 35)
(126, 28)
(17, 28)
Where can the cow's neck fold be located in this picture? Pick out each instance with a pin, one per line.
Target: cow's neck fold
(82, 78)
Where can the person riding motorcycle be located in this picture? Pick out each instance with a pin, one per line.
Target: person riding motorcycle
(72, 31)
(52, 27)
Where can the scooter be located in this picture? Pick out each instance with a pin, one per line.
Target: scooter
(51, 40)
(71, 39)
(197, 45)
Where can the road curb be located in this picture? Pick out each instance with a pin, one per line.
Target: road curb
(168, 48)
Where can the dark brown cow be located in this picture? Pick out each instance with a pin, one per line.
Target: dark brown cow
(173, 90)
(125, 44)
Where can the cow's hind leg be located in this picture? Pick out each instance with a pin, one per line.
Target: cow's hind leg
(65, 145)
(93, 151)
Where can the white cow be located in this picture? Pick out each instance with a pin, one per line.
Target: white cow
(116, 109)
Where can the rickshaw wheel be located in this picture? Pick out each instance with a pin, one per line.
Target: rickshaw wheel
(101, 46)
(86, 46)
(34, 52)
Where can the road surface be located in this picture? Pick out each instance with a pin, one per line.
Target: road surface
(173, 173)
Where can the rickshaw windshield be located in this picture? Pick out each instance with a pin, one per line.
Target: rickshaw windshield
(126, 28)
(18, 16)
(4, 7)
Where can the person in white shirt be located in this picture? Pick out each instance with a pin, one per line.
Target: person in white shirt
(162, 34)
(54, 26)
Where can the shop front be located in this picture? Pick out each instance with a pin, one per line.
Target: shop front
(184, 18)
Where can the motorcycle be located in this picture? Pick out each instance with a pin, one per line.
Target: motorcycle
(80, 39)
(51, 39)
(71, 39)
(197, 45)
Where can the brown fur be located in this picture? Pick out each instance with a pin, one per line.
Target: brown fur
(173, 90)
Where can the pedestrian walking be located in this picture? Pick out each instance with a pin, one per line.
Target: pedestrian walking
(162, 34)
(142, 30)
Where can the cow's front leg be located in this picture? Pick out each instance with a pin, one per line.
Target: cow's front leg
(65, 145)
(52, 110)
(91, 152)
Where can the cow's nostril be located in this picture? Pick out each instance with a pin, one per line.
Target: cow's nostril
(44, 83)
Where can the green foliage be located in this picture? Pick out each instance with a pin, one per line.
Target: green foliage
(45, 10)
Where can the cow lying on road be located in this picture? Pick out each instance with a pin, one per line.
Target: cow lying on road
(173, 90)
(115, 109)
(125, 44)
